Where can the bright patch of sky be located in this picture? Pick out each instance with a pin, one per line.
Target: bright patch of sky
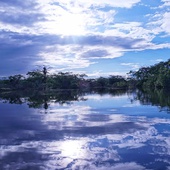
(92, 37)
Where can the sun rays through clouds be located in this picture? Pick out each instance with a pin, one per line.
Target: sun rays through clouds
(82, 36)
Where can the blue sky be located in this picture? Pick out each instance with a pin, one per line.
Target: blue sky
(98, 38)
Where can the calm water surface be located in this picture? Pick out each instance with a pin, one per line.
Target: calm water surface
(103, 132)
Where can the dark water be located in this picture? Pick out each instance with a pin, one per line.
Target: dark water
(128, 131)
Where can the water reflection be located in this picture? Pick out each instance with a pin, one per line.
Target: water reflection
(159, 97)
(92, 131)
(36, 99)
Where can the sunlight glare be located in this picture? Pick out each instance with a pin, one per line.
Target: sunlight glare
(73, 149)
(67, 24)
(71, 24)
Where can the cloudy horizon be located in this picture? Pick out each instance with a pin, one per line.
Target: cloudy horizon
(95, 38)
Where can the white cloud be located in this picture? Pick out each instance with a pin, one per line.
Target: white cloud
(54, 60)
(132, 65)
(117, 166)
(130, 29)
(159, 23)
(165, 22)
(166, 3)
(102, 73)
(74, 56)
(110, 38)
(72, 19)
(159, 60)
(115, 3)
(144, 34)
(63, 17)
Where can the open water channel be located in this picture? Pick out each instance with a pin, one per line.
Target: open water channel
(106, 131)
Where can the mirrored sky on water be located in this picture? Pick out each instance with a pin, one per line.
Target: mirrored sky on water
(102, 132)
(98, 38)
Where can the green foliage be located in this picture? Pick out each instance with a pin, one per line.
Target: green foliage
(40, 80)
(112, 82)
(156, 76)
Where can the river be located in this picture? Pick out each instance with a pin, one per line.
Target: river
(106, 131)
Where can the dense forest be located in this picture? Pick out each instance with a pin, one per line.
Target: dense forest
(153, 77)
(38, 88)
(42, 81)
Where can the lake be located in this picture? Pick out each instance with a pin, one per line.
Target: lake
(92, 131)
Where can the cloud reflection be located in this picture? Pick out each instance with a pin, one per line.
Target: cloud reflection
(81, 136)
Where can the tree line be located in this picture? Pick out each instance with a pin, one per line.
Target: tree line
(43, 81)
(153, 77)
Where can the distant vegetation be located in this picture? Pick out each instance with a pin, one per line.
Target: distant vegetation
(153, 77)
(42, 81)
(38, 88)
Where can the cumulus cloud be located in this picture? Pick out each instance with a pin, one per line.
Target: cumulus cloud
(165, 22)
(19, 12)
(166, 3)
(75, 33)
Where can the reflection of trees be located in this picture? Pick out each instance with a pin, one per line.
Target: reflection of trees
(12, 98)
(159, 98)
(113, 92)
(36, 99)
(61, 97)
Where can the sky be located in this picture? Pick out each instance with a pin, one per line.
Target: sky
(97, 38)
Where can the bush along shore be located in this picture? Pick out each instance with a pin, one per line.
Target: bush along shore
(42, 81)
(152, 77)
